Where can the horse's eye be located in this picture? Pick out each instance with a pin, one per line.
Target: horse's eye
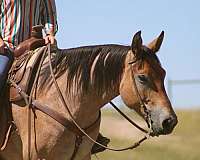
(143, 78)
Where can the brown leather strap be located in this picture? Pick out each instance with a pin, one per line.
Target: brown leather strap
(62, 120)
(40, 62)
(127, 118)
(67, 124)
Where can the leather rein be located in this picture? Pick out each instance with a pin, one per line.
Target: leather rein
(72, 124)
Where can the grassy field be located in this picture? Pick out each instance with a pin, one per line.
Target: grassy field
(182, 144)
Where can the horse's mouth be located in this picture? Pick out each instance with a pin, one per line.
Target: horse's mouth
(158, 132)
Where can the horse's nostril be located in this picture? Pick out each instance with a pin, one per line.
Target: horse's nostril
(166, 123)
(169, 123)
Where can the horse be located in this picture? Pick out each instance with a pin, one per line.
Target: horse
(89, 77)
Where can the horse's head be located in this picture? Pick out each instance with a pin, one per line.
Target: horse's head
(142, 86)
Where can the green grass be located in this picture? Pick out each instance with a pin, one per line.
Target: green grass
(183, 144)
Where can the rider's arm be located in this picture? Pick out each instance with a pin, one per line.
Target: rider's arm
(50, 20)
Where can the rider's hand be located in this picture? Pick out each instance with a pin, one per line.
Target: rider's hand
(2, 45)
(50, 39)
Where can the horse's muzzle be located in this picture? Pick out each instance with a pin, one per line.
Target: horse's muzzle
(162, 123)
(169, 123)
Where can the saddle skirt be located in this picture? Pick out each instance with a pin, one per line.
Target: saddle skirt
(23, 72)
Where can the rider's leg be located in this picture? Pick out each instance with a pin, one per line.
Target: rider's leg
(6, 60)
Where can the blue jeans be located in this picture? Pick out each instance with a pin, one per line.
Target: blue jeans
(6, 60)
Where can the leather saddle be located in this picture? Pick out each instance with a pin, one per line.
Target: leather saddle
(24, 68)
(23, 72)
(36, 40)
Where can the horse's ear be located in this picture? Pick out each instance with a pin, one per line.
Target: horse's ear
(156, 43)
(136, 43)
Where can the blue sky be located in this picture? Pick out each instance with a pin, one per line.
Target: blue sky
(89, 22)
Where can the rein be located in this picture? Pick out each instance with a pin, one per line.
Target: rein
(127, 118)
(75, 127)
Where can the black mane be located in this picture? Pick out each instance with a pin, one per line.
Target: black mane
(78, 63)
(107, 61)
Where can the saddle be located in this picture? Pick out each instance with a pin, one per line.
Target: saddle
(32, 43)
(23, 73)
(24, 68)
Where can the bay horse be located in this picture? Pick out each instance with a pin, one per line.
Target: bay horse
(89, 77)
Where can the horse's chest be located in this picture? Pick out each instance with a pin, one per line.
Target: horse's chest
(65, 148)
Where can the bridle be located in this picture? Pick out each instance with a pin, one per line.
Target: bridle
(76, 125)
(142, 103)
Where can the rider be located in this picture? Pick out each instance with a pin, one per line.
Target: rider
(16, 21)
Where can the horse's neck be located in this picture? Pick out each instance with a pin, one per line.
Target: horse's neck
(94, 100)
(107, 96)
(81, 104)
(90, 98)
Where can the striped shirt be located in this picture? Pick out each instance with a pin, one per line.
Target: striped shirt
(17, 17)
